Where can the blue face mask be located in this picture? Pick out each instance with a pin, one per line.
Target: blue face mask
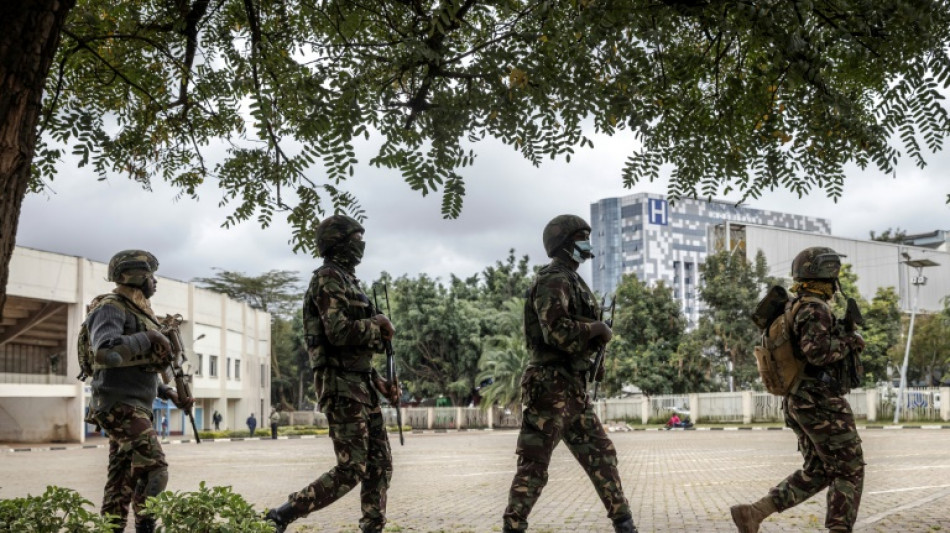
(582, 251)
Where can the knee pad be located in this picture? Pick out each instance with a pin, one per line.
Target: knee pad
(155, 482)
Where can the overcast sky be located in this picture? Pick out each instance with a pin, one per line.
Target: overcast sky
(507, 204)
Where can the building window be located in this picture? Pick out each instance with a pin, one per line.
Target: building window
(228, 368)
(237, 369)
(263, 375)
(213, 366)
(199, 359)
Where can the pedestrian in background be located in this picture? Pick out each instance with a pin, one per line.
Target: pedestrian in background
(274, 420)
(251, 424)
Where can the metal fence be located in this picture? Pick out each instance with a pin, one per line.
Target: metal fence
(22, 363)
(766, 407)
(920, 404)
(720, 407)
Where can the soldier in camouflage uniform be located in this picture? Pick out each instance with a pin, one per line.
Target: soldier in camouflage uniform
(816, 409)
(129, 351)
(344, 330)
(562, 333)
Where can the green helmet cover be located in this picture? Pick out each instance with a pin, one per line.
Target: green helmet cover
(131, 267)
(817, 262)
(334, 230)
(560, 229)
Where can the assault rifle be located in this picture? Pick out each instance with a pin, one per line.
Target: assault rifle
(598, 365)
(852, 320)
(390, 360)
(173, 372)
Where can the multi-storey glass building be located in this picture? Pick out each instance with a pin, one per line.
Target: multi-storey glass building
(656, 239)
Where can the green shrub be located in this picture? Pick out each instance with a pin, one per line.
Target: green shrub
(214, 510)
(56, 510)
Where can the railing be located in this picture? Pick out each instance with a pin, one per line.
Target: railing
(766, 407)
(720, 407)
(21, 363)
(627, 410)
(920, 404)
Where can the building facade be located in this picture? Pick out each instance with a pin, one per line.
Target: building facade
(227, 344)
(877, 264)
(659, 240)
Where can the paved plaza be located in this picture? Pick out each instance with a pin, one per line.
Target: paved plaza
(676, 481)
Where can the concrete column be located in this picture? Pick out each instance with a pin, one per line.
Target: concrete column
(748, 407)
(693, 407)
(459, 421)
(491, 417)
(945, 403)
(430, 417)
(644, 409)
(871, 398)
(404, 413)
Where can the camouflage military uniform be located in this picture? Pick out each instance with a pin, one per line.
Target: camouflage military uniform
(823, 421)
(122, 396)
(558, 311)
(344, 383)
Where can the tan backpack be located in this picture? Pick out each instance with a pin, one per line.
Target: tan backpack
(779, 368)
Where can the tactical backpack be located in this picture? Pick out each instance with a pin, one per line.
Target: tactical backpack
(84, 348)
(779, 366)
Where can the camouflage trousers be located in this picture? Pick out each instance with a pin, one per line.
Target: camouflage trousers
(362, 456)
(829, 443)
(556, 408)
(137, 467)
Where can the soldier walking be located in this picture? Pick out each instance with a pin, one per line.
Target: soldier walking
(343, 332)
(562, 333)
(817, 410)
(129, 352)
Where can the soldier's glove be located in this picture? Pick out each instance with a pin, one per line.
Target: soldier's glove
(601, 332)
(386, 328)
(160, 344)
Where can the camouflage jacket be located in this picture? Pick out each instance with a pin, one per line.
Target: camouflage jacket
(557, 316)
(822, 342)
(344, 336)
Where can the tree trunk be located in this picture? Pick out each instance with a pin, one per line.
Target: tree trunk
(29, 35)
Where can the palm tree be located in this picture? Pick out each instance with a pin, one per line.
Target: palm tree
(503, 362)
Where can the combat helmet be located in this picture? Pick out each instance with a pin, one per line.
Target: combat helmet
(560, 229)
(132, 267)
(817, 262)
(334, 230)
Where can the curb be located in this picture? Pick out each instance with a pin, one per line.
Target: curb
(437, 431)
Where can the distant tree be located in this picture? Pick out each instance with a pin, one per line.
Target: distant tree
(438, 338)
(277, 292)
(506, 280)
(503, 363)
(881, 332)
(731, 287)
(648, 327)
(889, 235)
(929, 358)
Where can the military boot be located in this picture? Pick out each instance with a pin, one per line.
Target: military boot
(625, 525)
(281, 517)
(145, 526)
(507, 529)
(748, 517)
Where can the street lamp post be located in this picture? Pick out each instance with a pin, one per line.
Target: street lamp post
(918, 280)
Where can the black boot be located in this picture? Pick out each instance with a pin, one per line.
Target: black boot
(281, 517)
(145, 526)
(625, 525)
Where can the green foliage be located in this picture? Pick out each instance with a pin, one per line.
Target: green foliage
(881, 331)
(889, 235)
(744, 95)
(56, 510)
(214, 510)
(731, 288)
(648, 330)
(277, 292)
(929, 359)
(504, 362)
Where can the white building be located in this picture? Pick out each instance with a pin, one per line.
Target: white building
(877, 264)
(226, 341)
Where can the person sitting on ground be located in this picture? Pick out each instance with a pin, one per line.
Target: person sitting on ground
(674, 422)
